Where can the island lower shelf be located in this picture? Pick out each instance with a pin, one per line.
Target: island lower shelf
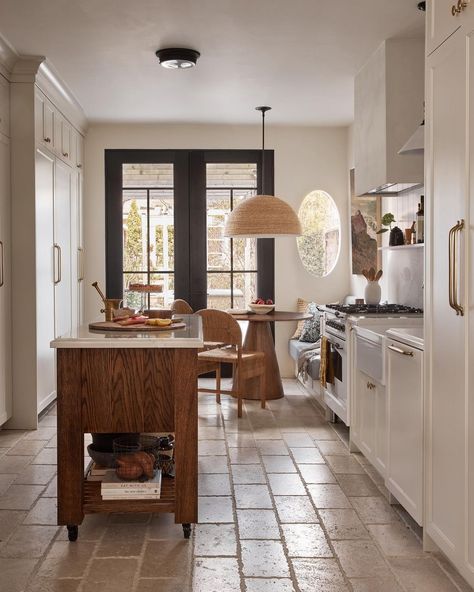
(94, 504)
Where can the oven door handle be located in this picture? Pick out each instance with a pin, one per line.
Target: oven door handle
(335, 344)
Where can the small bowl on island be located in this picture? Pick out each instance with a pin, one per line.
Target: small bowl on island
(261, 306)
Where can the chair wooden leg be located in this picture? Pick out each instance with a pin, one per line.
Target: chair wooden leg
(263, 397)
(218, 384)
(239, 393)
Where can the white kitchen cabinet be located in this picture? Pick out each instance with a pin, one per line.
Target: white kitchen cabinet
(404, 477)
(4, 106)
(369, 426)
(440, 22)
(47, 233)
(449, 292)
(5, 283)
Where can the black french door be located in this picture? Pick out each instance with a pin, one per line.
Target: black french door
(165, 213)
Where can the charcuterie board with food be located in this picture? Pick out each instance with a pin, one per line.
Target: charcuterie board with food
(138, 323)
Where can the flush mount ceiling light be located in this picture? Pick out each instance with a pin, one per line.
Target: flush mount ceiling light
(177, 58)
(262, 216)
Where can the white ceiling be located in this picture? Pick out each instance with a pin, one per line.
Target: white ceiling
(298, 56)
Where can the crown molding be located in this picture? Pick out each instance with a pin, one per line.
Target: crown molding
(8, 57)
(26, 68)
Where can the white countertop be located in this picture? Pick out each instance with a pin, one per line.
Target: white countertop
(413, 336)
(83, 337)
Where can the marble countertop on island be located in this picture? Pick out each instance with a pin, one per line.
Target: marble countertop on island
(82, 337)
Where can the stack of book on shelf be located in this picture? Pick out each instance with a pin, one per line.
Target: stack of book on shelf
(114, 488)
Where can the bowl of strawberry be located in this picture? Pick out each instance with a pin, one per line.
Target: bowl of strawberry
(262, 306)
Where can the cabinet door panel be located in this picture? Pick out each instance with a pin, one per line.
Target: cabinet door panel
(62, 240)
(446, 130)
(5, 287)
(46, 383)
(440, 22)
(4, 106)
(405, 442)
(65, 140)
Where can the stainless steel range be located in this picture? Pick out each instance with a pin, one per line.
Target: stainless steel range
(336, 325)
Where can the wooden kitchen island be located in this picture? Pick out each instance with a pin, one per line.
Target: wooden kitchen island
(127, 382)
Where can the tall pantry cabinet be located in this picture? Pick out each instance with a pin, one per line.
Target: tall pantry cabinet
(449, 305)
(47, 171)
(5, 254)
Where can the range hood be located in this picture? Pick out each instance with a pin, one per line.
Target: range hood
(389, 90)
(416, 142)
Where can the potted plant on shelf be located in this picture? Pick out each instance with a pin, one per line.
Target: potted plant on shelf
(396, 235)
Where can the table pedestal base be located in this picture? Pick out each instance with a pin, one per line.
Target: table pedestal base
(259, 338)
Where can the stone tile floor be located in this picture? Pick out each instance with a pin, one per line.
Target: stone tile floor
(283, 507)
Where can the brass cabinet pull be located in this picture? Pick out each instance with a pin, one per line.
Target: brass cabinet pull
(370, 386)
(451, 265)
(66, 154)
(47, 140)
(459, 7)
(457, 231)
(79, 166)
(57, 248)
(80, 252)
(2, 277)
(399, 350)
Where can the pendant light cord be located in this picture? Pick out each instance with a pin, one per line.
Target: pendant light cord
(263, 110)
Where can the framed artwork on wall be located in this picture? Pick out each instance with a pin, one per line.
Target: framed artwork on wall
(365, 220)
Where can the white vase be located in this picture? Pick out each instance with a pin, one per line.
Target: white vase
(373, 293)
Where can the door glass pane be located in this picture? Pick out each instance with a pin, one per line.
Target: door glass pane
(148, 233)
(228, 184)
(219, 290)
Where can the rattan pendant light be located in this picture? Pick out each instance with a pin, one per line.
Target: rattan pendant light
(262, 216)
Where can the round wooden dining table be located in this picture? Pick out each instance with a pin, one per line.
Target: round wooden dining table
(259, 338)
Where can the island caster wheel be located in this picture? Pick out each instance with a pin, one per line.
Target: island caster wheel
(72, 532)
(187, 530)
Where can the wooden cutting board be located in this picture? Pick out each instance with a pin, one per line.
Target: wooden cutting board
(111, 326)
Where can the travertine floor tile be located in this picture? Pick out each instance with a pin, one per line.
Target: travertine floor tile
(67, 561)
(357, 485)
(294, 509)
(36, 475)
(386, 584)
(343, 524)
(361, 559)
(45, 511)
(20, 497)
(163, 585)
(317, 474)
(5, 482)
(306, 540)
(298, 440)
(15, 573)
(374, 510)
(307, 455)
(166, 559)
(286, 484)
(121, 540)
(240, 440)
(275, 564)
(257, 524)
(245, 474)
(163, 527)
(214, 484)
(14, 464)
(63, 585)
(28, 542)
(278, 464)
(27, 448)
(9, 438)
(42, 433)
(48, 421)
(212, 464)
(9, 521)
(244, 456)
(48, 456)
(211, 433)
(216, 574)
(215, 509)
(272, 447)
(111, 574)
(344, 464)
(328, 496)
(269, 585)
(396, 540)
(322, 433)
(420, 574)
(212, 448)
(215, 540)
(252, 496)
(91, 529)
(332, 447)
(314, 575)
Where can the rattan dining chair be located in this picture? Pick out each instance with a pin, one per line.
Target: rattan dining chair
(219, 326)
(180, 306)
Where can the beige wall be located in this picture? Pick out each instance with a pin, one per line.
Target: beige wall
(305, 159)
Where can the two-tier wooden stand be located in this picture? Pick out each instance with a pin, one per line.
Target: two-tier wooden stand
(126, 390)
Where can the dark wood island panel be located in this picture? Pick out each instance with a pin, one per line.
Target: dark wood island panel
(126, 390)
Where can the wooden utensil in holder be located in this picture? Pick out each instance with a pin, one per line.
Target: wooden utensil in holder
(110, 304)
